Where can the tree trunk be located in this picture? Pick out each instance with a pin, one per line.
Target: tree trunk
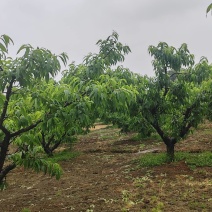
(48, 150)
(170, 150)
(3, 154)
(48, 146)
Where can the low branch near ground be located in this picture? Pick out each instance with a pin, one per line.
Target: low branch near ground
(6, 170)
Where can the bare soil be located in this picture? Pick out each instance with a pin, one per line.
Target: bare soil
(106, 178)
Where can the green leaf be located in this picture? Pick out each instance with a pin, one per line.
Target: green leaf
(3, 48)
(209, 8)
(6, 39)
(27, 47)
(64, 58)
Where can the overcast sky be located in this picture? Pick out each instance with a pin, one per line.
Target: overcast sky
(74, 26)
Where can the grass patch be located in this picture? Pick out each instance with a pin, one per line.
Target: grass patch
(192, 159)
(25, 210)
(207, 132)
(151, 160)
(140, 137)
(63, 156)
(200, 159)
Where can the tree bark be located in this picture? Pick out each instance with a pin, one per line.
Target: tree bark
(170, 144)
(3, 151)
(5, 171)
(48, 151)
(46, 145)
(3, 154)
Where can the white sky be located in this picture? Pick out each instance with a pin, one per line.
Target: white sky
(74, 26)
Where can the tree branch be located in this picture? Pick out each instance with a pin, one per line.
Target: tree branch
(185, 128)
(158, 129)
(8, 94)
(58, 142)
(166, 91)
(25, 129)
(4, 130)
(43, 142)
(50, 140)
(6, 170)
(69, 103)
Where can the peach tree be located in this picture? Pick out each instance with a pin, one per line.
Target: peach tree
(84, 94)
(95, 78)
(20, 113)
(174, 101)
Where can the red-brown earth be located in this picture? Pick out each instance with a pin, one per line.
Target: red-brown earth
(105, 177)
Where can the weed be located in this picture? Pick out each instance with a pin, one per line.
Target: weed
(150, 160)
(108, 201)
(140, 137)
(125, 195)
(202, 172)
(107, 137)
(161, 185)
(196, 205)
(63, 156)
(200, 159)
(3, 185)
(25, 210)
(159, 207)
(187, 193)
(192, 159)
(142, 181)
(125, 210)
(142, 146)
(59, 193)
(91, 208)
(207, 132)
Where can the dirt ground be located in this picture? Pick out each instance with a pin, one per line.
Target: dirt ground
(106, 178)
